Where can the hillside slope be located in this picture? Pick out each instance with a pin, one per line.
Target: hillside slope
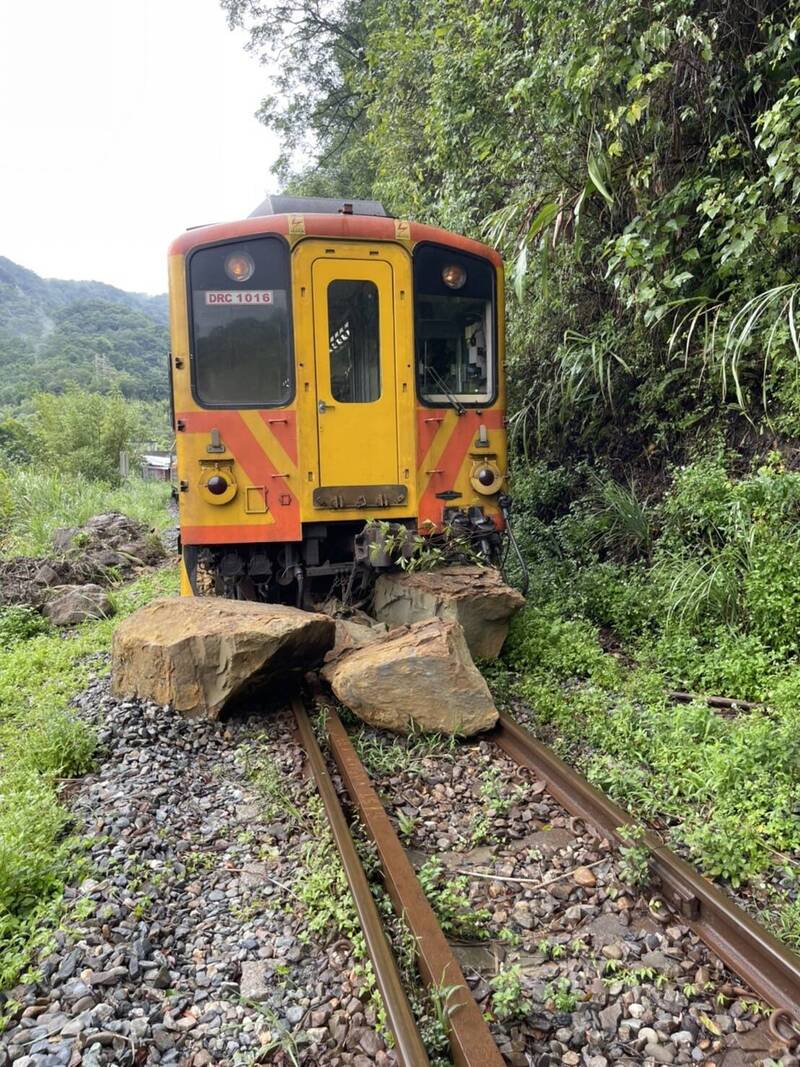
(55, 333)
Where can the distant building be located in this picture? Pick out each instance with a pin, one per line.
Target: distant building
(158, 466)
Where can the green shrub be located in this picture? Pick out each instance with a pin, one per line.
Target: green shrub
(545, 643)
(19, 622)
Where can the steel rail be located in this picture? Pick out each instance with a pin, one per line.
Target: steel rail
(409, 1046)
(471, 1042)
(767, 966)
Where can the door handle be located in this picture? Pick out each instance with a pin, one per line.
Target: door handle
(322, 407)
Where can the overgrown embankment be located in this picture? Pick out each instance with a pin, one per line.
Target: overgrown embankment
(696, 587)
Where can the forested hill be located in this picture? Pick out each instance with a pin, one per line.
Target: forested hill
(56, 333)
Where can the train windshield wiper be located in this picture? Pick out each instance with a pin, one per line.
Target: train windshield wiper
(440, 384)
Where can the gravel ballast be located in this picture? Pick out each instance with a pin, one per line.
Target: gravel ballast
(185, 943)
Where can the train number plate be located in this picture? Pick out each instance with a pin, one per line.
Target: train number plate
(238, 297)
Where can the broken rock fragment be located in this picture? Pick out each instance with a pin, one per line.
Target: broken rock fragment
(200, 653)
(422, 677)
(476, 597)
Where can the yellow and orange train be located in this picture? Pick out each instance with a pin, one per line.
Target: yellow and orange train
(331, 365)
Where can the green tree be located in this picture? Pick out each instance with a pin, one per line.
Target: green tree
(83, 433)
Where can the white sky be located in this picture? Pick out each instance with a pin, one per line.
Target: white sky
(122, 122)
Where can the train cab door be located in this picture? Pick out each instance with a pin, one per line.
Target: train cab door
(355, 361)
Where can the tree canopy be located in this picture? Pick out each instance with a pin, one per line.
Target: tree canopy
(639, 166)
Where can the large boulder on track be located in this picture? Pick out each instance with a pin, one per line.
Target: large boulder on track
(421, 677)
(200, 653)
(476, 597)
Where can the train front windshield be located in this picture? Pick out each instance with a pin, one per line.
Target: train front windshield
(454, 327)
(241, 324)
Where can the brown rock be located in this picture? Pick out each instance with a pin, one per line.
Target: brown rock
(353, 635)
(583, 876)
(68, 605)
(476, 597)
(422, 677)
(199, 653)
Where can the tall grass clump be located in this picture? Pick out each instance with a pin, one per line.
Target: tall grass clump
(35, 501)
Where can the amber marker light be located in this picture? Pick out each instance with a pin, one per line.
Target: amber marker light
(239, 266)
(454, 276)
(216, 484)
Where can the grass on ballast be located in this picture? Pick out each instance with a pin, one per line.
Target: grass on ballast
(42, 743)
(321, 890)
(726, 788)
(35, 501)
(686, 579)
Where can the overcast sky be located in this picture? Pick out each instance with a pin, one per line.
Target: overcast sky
(122, 122)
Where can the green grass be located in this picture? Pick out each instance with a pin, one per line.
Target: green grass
(35, 501)
(697, 590)
(41, 742)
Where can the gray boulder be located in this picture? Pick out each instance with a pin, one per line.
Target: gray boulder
(68, 605)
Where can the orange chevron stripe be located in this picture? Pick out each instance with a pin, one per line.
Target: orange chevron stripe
(455, 441)
(254, 461)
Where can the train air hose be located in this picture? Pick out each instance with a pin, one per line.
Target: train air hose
(504, 503)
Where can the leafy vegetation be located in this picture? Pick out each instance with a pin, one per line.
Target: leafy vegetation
(41, 744)
(639, 166)
(708, 602)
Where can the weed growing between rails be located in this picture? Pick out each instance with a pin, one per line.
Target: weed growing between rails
(328, 912)
(34, 502)
(42, 744)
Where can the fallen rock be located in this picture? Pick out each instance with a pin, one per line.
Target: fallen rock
(199, 653)
(68, 605)
(476, 597)
(352, 635)
(422, 677)
(111, 540)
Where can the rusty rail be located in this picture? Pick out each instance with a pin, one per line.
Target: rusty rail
(766, 965)
(471, 1043)
(409, 1046)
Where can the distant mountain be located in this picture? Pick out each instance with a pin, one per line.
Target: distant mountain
(55, 333)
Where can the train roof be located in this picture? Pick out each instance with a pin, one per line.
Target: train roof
(342, 225)
(317, 205)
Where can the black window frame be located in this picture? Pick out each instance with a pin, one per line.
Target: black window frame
(458, 255)
(233, 241)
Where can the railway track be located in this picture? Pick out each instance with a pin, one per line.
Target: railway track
(767, 967)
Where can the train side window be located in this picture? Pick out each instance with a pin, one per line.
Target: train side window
(353, 342)
(241, 324)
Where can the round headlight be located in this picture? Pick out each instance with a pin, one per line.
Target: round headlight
(485, 476)
(216, 484)
(454, 276)
(239, 266)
